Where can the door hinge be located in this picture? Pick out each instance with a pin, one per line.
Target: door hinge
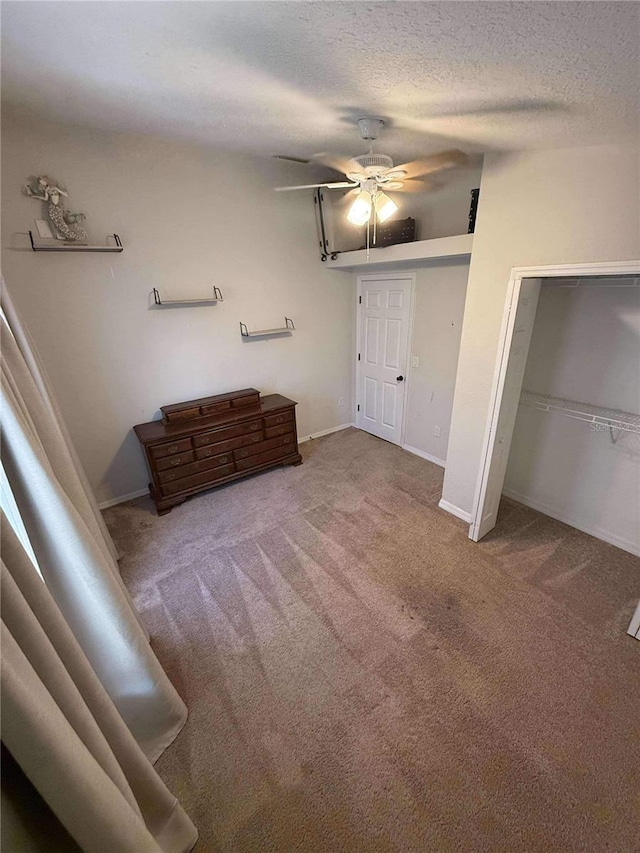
(360, 300)
(358, 356)
(358, 406)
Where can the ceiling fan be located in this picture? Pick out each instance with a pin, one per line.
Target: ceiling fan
(369, 175)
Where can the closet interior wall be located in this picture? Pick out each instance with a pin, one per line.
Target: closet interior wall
(584, 353)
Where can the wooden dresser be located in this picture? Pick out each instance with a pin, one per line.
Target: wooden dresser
(204, 443)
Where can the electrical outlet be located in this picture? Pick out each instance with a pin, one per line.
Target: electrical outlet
(436, 431)
(415, 361)
(341, 401)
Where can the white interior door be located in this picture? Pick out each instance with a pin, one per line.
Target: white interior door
(517, 327)
(383, 340)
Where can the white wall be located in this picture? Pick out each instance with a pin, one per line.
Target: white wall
(189, 217)
(439, 308)
(536, 207)
(585, 347)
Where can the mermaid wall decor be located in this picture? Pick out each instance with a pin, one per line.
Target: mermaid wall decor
(68, 226)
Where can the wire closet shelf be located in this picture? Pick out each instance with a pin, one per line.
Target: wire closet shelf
(611, 419)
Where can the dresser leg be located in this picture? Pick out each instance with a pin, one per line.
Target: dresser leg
(162, 506)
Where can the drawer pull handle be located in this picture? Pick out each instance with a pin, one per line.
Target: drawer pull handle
(255, 438)
(173, 448)
(170, 476)
(176, 461)
(224, 459)
(279, 420)
(253, 426)
(287, 440)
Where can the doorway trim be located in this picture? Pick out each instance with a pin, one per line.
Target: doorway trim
(385, 276)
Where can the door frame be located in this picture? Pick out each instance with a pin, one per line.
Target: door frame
(634, 627)
(504, 344)
(384, 276)
(507, 338)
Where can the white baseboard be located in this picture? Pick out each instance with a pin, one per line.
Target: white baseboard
(455, 510)
(423, 455)
(122, 499)
(324, 432)
(598, 532)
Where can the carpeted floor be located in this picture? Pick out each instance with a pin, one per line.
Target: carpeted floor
(361, 677)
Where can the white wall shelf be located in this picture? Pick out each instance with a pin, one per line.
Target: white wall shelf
(203, 300)
(599, 415)
(54, 245)
(265, 333)
(419, 250)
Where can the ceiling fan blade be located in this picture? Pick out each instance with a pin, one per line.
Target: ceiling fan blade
(333, 186)
(433, 163)
(525, 105)
(289, 159)
(337, 162)
(347, 198)
(417, 186)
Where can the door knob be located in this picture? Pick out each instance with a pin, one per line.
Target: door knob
(399, 378)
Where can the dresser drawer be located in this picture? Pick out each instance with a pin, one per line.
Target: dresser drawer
(182, 415)
(227, 432)
(174, 461)
(272, 432)
(215, 408)
(230, 444)
(173, 474)
(276, 420)
(262, 458)
(169, 448)
(281, 441)
(246, 400)
(203, 479)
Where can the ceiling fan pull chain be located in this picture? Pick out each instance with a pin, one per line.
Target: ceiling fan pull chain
(374, 213)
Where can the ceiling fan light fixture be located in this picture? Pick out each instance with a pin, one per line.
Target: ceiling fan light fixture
(360, 210)
(385, 207)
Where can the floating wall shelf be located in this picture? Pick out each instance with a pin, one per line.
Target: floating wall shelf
(60, 246)
(404, 253)
(263, 333)
(217, 297)
(599, 415)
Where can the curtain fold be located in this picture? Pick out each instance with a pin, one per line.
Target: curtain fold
(66, 734)
(18, 348)
(73, 556)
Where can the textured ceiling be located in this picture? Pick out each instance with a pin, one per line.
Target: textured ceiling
(290, 77)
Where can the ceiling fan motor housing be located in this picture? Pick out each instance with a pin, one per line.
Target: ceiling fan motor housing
(370, 127)
(372, 165)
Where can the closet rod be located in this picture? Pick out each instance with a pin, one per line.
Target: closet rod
(597, 415)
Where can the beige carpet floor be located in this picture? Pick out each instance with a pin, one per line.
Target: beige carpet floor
(362, 677)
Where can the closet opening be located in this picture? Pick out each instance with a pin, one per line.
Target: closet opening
(563, 435)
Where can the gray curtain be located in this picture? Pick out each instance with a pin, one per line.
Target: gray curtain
(74, 557)
(86, 705)
(30, 374)
(70, 748)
